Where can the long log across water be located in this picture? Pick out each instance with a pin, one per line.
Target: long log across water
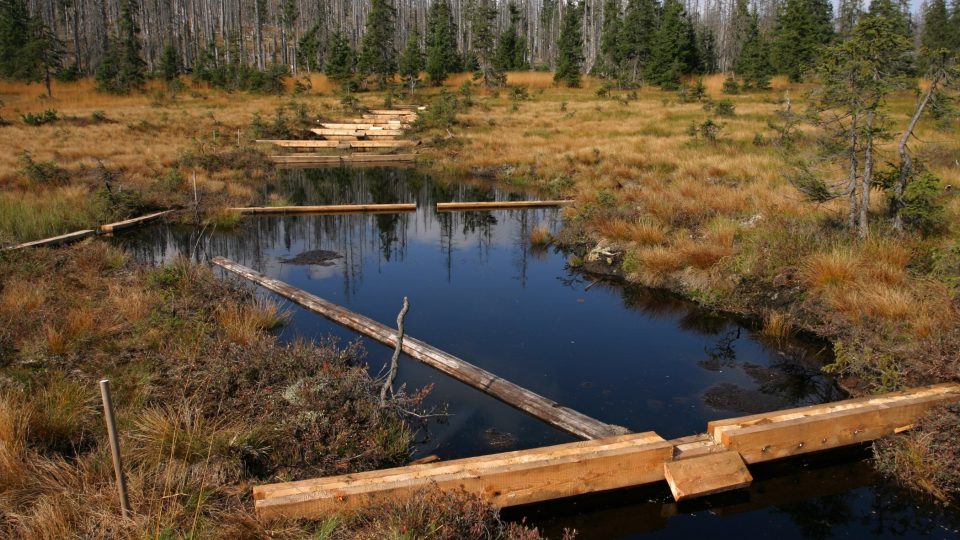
(532, 403)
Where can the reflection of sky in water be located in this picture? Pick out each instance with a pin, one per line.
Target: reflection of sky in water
(477, 290)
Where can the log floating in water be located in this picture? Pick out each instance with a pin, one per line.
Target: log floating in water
(328, 209)
(497, 205)
(536, 405)
(507, 479)
(133, 222)
(55, 241)
(694, 466)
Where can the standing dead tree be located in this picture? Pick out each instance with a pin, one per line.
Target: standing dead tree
(942, 73)
(392, 374)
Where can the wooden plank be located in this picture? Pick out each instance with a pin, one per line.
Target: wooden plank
(366, 125)
(357, 132)
(55, 240)
(536, 405)
(374, 120)
(498, 205)
(353, 132)
(327, 209)
(503, 480)
(345, 159)
(312, 484)
(133, 222)
(781, 434)
(392, 112)
(384, 144)
(302, 143)
(706, 474)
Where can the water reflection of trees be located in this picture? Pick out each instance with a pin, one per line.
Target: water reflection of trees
(366, 242)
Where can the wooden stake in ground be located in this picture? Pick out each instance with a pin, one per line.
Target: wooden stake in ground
(115, 447)
(388, 384)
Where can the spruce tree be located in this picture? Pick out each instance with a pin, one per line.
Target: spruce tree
(169, 63)
(482, 21)
(674, 51)
(570, 47)
(377, 53)
(14, 32)
(896, 14)
(640, 22)
(707, 50)
(442, 56)
(309, 48)
(411, 61)
(341, 61)
(803, 28)
(847, 16)
(753, 64)
(122, 69)
(938, 32)
(511, 46)
(42, 55)
(132, 66)
(609, 62)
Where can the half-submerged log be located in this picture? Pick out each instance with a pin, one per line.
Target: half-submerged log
(498, 205)
(132, 222)
(328, 209)
(55, 241)
(532, 403)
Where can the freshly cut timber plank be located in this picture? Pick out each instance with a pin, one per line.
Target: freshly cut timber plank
(56, 240)
(373, 120)
(327, 209)
(133, 222)
(508, 479)
(384, 144)
(536, 405)
(357, 132)
(301, 486)
(494, 205)
(352, 132)
(302, 143)
(393, 112)
(765, 437)
(343, 160)
(706, 474)
(366, 125)
(383, 133)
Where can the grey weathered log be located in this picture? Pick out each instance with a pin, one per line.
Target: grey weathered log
(532, 403)
(395, 359)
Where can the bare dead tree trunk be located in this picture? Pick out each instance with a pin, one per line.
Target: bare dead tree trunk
(392, 374)
(852, 181)
(906, 162)
(868, 161)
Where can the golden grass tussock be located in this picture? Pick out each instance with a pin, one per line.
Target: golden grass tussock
(540, 236)
(834, 268)
(246, 323)
(777, 325)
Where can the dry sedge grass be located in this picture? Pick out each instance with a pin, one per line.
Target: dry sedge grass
(207, 402)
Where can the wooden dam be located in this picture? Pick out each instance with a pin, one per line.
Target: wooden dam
(609, 458)
(355, 141)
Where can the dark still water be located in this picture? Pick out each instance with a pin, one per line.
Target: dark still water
(624, 355)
